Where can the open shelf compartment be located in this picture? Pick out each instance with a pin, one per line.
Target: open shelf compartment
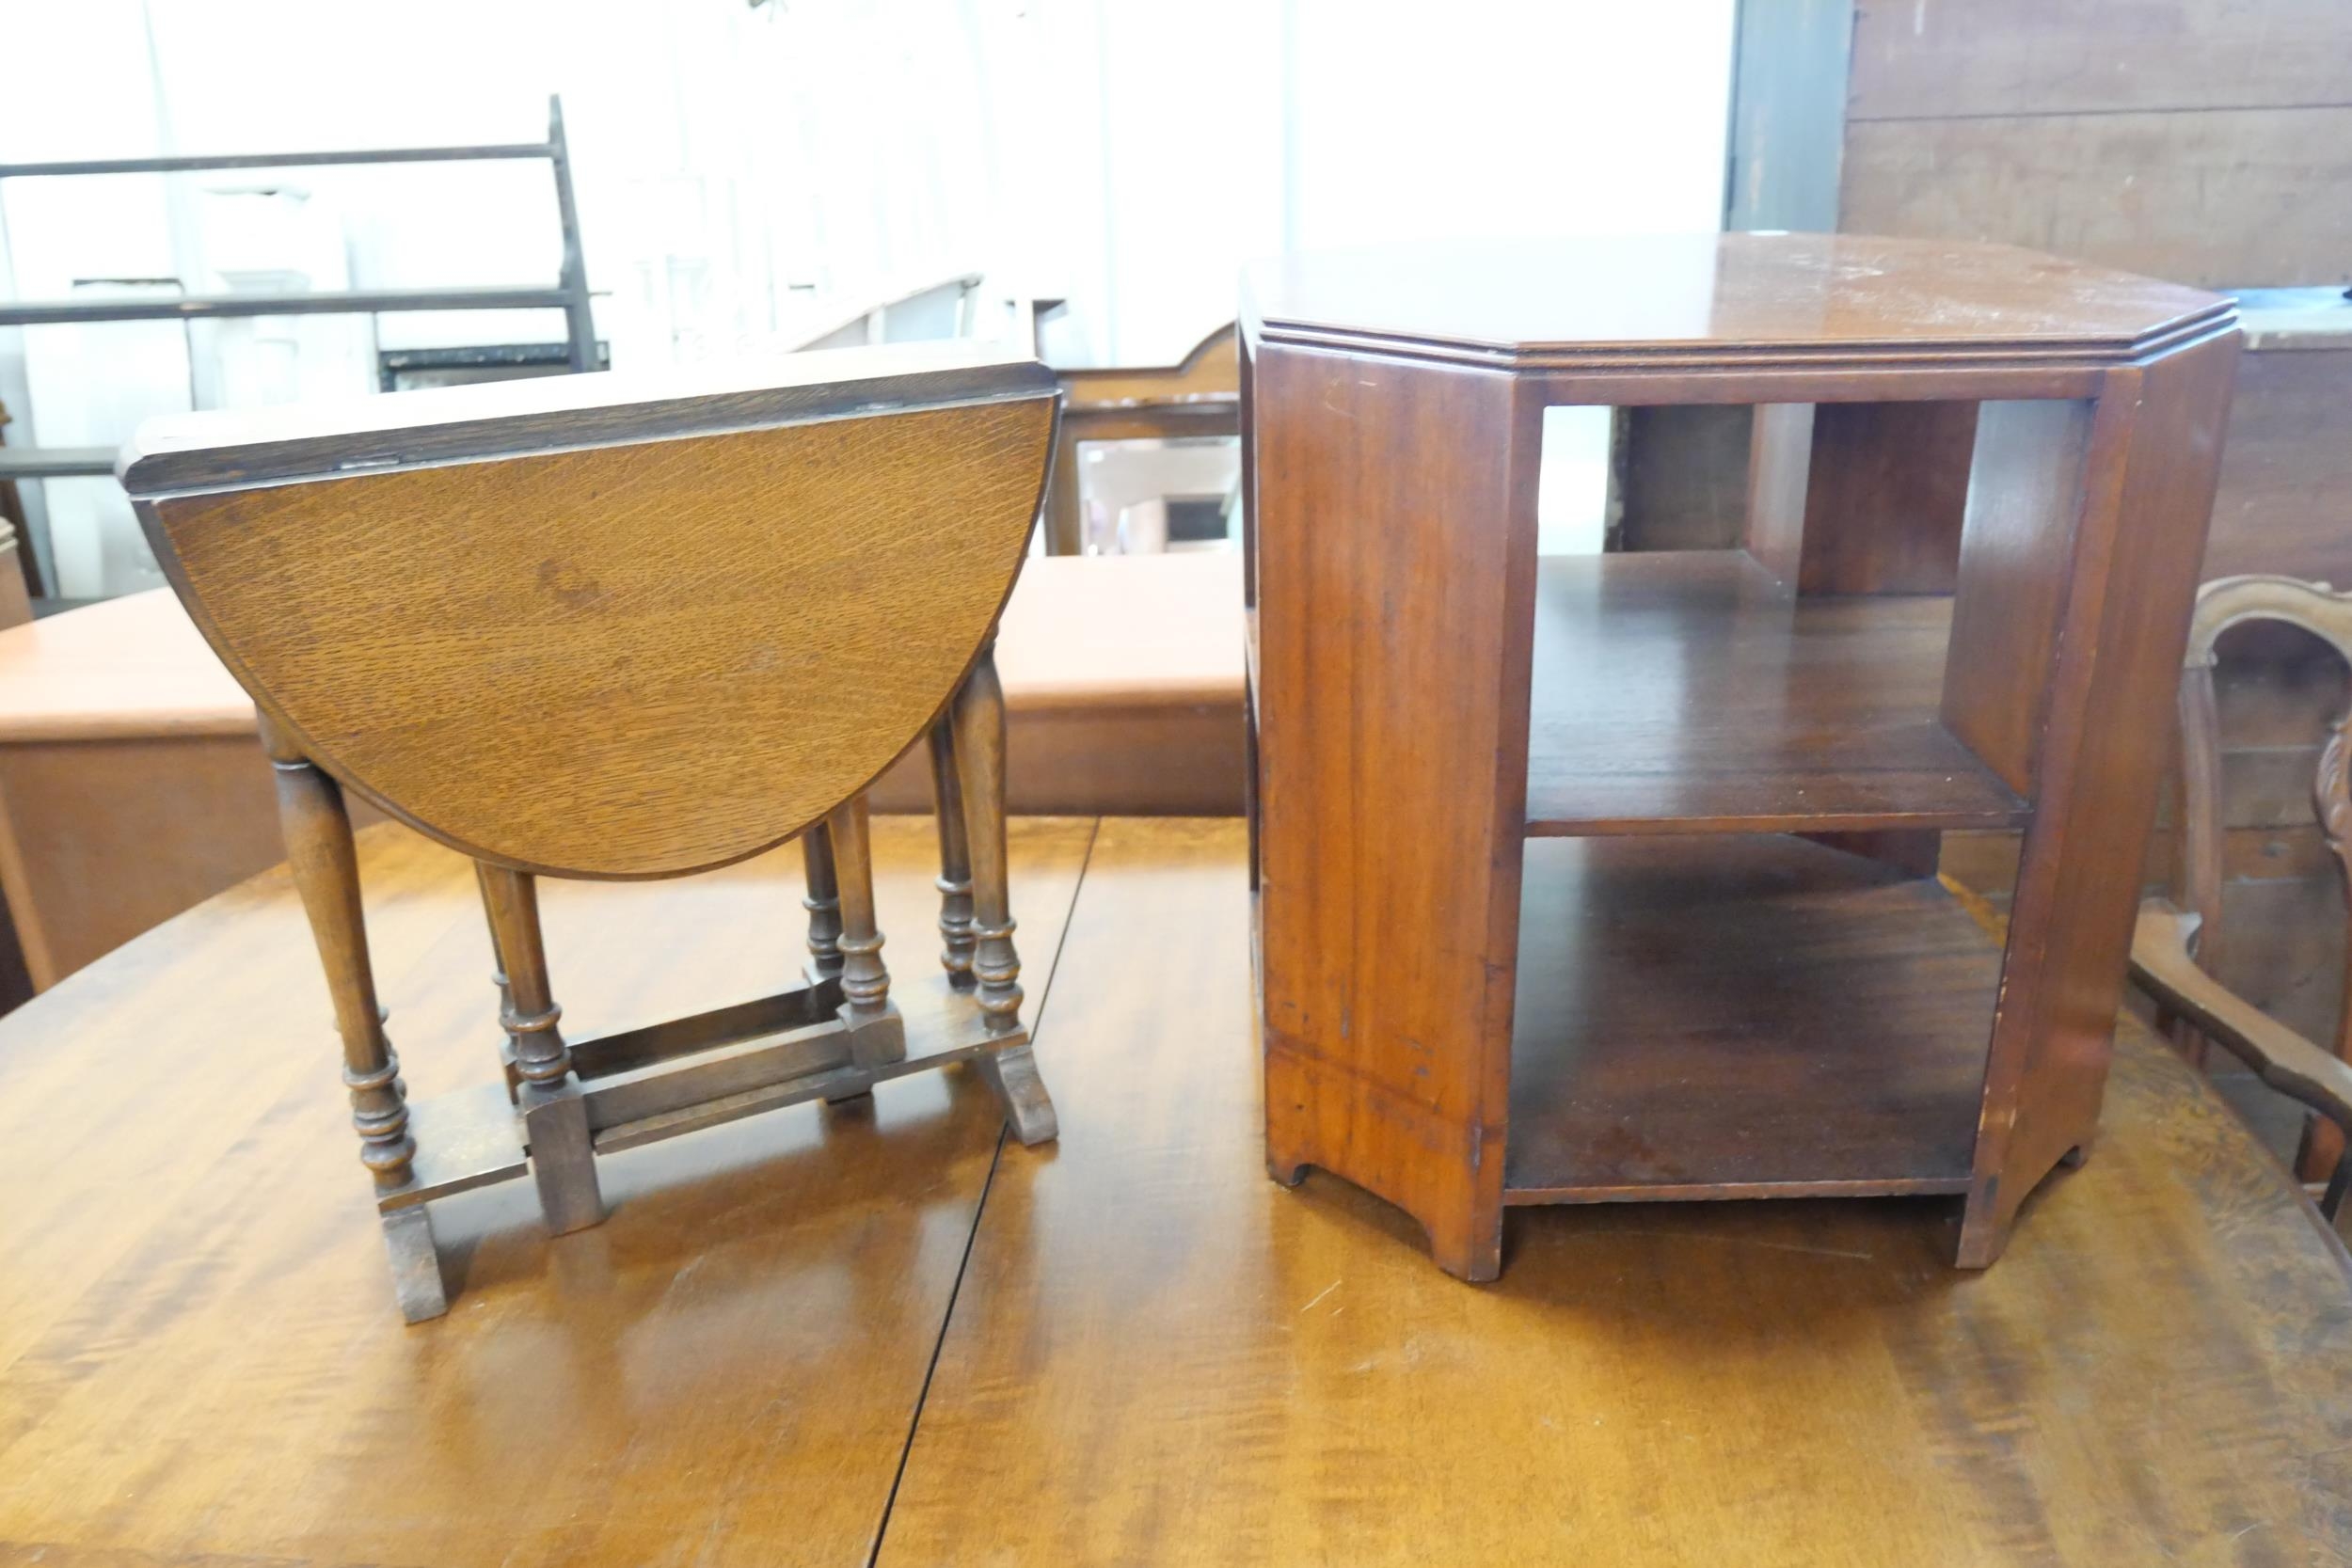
(1692, 691)
(1742, 1016)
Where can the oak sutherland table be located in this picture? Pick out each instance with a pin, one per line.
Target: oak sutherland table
(1612, 877)
(630, 626)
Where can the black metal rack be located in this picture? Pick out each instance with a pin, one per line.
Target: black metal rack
(568, 294)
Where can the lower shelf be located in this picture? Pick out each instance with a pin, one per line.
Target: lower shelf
(1742, 1016)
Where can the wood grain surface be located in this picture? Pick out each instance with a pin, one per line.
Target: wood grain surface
(199, 1359)
(1754, 1012)
(2149, 471)
(1842, 300)
(1915, 59)
(1687, 691)
(1159, 1357)
(1155, 1356)
(1392, 730)
(2288, 469)
(2222, 199)
(656, 657)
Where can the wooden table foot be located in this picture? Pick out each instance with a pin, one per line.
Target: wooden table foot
(416, 1264)
(1012, 1073)
(563, 1155)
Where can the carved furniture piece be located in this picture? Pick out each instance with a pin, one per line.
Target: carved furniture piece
(2177, 946)
(1194, 397)
(441, 602)
(1610, 878)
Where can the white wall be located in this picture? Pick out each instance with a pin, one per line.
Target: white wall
(1408, 121)
(744, 171)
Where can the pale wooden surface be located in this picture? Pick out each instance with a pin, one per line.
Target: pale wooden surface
(1155, 1356)
(1846, 300)
(129, 668)
(131, 785)
(1126, 630)
(1130, 631)
(197, 1352)
(1159, 1357)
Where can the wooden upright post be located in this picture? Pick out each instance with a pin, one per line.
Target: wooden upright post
(979, 746)
(555, 1117)
(327, 872)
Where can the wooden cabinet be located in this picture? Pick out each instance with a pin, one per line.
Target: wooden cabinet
(1610, 878)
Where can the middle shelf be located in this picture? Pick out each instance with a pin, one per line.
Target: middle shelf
(1689, 692)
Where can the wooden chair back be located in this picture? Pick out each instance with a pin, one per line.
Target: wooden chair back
(701, 617)
(2222, 604)
(1198, 395)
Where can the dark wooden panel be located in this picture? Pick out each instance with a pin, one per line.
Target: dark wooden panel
(1682, 477)
(2285, 502)
(1690, 692)
(1915, 59)
(2147, 492)
(1396, 553)
(1886, 497)
(2286, 949)
(2224, 198)
(1860, 497)
(1742, 1012)
(2014, 541)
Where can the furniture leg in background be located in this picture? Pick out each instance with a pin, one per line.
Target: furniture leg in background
(979, 746)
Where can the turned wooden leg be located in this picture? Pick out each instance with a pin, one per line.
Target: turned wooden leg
(876, 1034)
(955, 859)
(555, 1117)
(980, 748)
(823, 903)
(497, 978)
(327, 871)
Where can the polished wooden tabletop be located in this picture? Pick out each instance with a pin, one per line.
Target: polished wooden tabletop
(872, 1334)
(1834, 293)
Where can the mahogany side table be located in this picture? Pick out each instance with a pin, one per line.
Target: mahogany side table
(1612, 877)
